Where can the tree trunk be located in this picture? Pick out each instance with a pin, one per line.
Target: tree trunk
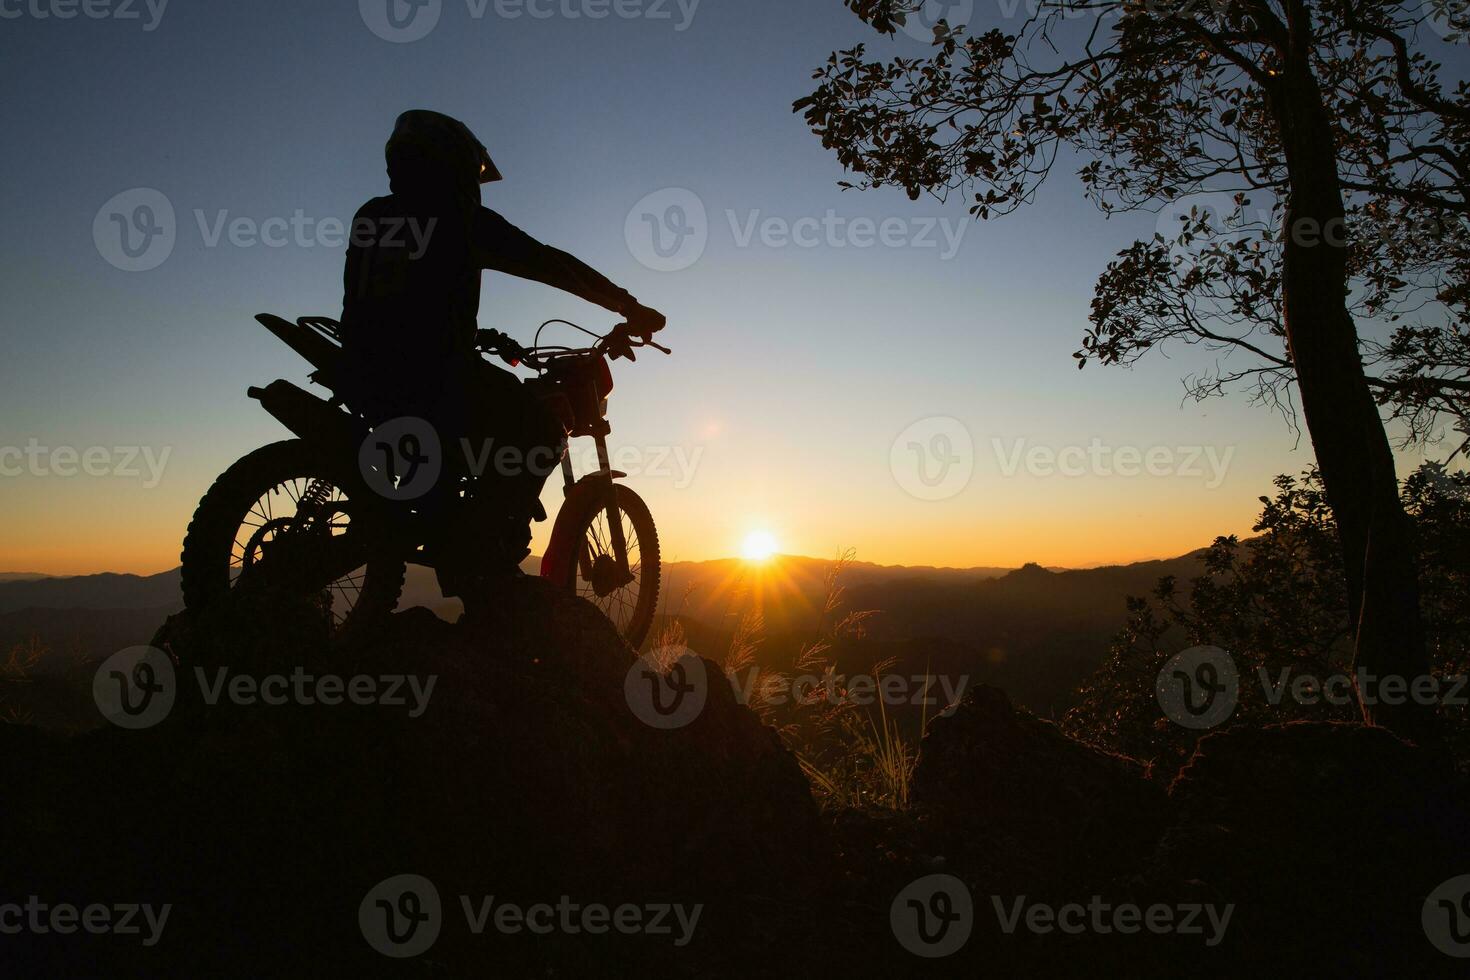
(1347, 433)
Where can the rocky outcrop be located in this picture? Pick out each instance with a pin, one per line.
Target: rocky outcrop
(1322, 841)
(525, 775)
(1008, 790)
(1327, 838)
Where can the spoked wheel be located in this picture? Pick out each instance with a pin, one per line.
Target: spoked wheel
(280, 518)
(627, 595)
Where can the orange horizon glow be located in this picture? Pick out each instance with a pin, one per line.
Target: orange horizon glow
(82, 528)
(48, 562)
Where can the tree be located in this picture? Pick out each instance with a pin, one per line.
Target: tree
(1276, 603)
(1320, 116)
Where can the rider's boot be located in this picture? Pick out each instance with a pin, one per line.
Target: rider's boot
(508, 540)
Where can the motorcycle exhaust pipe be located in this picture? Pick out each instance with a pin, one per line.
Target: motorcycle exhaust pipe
(313, 419)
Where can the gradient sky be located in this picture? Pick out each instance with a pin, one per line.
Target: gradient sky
(795, 368)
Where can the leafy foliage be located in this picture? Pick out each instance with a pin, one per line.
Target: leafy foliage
(1182, 105)
(1277, 602)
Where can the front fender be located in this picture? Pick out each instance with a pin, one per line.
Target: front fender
(560, 561)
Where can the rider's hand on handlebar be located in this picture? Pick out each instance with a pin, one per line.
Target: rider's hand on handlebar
(643, 321)
(619, 343)
(501, 345)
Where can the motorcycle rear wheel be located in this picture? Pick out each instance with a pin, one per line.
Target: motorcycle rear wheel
(268, 500)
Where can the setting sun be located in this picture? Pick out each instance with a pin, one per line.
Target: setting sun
(758, 546)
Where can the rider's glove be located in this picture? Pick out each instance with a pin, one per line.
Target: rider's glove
(643, 321)
(616, 344)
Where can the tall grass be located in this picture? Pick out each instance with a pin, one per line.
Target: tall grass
(853, 755)
(15, 674)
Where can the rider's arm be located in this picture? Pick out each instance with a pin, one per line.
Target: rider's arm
(503, 247)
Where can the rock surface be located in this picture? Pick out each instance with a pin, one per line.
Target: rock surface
(526, 777)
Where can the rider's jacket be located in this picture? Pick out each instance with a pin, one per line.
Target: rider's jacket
(412, 281)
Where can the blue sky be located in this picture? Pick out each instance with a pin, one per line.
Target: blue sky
(795, 368)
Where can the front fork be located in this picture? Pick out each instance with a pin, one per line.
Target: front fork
(585, 558)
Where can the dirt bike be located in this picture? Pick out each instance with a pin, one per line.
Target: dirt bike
(324, 516)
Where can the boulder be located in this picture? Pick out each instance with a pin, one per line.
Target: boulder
(525, 775)
(1010, 796)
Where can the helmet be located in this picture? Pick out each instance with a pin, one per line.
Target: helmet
(430, 151)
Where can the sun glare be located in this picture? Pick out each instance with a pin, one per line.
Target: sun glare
(758, 546)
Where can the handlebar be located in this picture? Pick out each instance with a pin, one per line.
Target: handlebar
(621, 341)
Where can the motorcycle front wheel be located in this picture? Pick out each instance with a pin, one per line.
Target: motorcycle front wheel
(581, 558)
(280, 514)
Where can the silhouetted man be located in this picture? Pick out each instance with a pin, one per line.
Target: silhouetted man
(412, 294)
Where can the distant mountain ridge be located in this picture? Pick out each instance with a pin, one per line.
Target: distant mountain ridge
(108, 590)
(117, 590)
(1034, 631)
